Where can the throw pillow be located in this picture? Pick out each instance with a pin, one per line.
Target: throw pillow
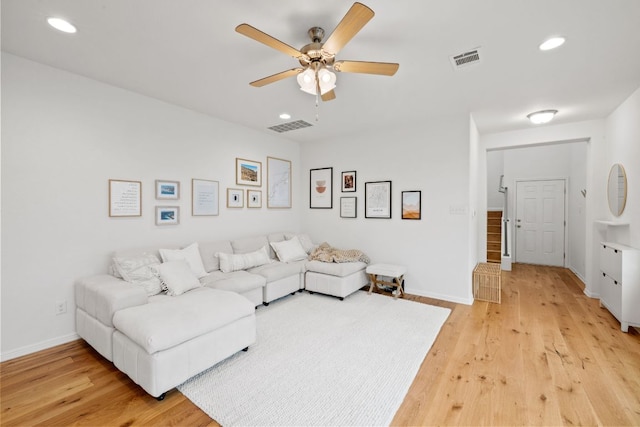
(191, 254)
(177, 277)
(235, 262)
(305, 241)
(289, 250)
(140, 270)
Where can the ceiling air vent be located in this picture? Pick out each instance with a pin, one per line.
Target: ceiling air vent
(286, 127)
(465, 59)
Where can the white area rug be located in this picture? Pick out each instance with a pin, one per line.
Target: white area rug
(322, 361)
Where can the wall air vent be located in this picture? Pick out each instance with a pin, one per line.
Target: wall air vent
(465, 59)
(286, 127)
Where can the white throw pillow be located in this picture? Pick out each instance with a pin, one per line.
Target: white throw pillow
(191, 254)
(140, 270)
(235, 262)
(177, 277)
(289, 250)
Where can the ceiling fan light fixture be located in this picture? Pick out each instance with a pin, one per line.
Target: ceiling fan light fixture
(307, 81)
(326, 80)
(541, 117)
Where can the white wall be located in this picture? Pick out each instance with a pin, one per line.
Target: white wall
(63, 137)
(495, 168)
(433, 158)
(623, 146)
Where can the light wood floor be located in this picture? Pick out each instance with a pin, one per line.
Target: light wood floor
(547, 355)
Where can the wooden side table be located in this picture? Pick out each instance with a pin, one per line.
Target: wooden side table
(395, 272)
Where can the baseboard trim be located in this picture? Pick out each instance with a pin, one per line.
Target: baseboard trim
(442, 297)
(34, 348)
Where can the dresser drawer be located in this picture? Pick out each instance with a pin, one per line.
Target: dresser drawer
(611, 295)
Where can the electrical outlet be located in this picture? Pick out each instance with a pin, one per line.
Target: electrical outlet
(61, 307)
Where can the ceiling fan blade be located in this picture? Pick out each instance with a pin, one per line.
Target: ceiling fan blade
(353, 21)
(264, 38)
(276, 77)
(328, 96)
(364, 67)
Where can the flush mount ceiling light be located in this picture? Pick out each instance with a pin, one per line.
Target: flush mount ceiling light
(61, 25)
(285, 116)
(552, 43)
(540, 117)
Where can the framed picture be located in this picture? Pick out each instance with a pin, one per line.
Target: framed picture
(348, 181)
(248, 172)
(348, 207)
(278, 183)
(204, 198)
(235, 198)
(254, 198)
(167, 215)
(377, 199)
(167, 190)
(125, 198)
(411, 205)
(321, 188)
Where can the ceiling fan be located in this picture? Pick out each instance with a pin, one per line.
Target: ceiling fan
(317, 59)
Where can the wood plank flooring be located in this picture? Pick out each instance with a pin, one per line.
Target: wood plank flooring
(547, 355)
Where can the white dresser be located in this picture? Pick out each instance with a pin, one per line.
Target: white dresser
(620, 283)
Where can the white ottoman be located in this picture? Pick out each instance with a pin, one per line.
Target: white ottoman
(337, 279)
(395, 272)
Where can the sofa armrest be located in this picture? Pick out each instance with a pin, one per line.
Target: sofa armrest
(101, 296)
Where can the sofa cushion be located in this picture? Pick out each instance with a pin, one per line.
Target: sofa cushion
(278, 270)
(140, 270)
(243, 261)
(236, 281)
(251, 244)
(305, 241)
(168, 322)
(289, 250)
(208, 251)
(177, 277)
(191, 254)
(335, 269)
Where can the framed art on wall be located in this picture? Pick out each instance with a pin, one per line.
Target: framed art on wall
(348, 181)
(321, 188)
(278, 183)
(235, 198)
(377, 199)
(248, 172)
(167, 190)
(167, 215)
(254, 198)
(204, 197)
(125, 198)
(411, 205)
(348, 207)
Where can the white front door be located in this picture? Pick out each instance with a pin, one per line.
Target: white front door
(540, 222)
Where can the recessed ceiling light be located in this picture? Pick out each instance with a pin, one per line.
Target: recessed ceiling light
(540, 117)
(285, 116)
(552, 43)
(62, 25)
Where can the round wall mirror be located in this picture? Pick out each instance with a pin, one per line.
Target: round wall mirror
(617, 189)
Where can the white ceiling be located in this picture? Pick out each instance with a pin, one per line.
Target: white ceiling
(187, 53)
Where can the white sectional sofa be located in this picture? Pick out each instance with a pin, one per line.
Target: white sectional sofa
(163, 315)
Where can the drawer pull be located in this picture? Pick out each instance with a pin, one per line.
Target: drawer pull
(604, 274)
(615, 250)
(615, 281)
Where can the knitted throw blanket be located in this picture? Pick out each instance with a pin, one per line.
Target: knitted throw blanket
(326, 253)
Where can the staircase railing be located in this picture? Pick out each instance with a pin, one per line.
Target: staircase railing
(505, 218)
